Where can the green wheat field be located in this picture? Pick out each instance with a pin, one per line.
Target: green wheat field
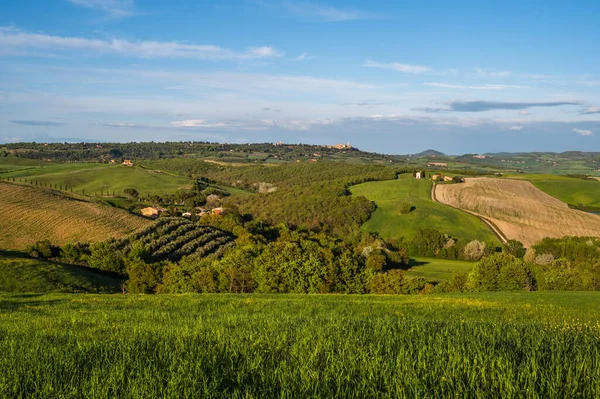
(505, 345)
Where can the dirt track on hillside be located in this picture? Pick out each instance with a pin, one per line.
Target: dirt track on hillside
(520, 210)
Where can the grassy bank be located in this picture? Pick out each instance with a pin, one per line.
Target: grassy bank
(288, 346)
(389, 223)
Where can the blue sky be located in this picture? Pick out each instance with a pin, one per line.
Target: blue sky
(390, 77)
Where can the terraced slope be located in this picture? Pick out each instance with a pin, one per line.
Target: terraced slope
(29, 214)
(519, 209)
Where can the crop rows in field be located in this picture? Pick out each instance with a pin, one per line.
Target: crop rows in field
(519, 209)
(174, 238)
(31, 214)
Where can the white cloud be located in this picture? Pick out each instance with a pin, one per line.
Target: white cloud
(481, 87)
(122, 124)
(395, 66)
(115, 8)
(16, 40)
(327, 13)
(583, 132)
(524, 113)
(197, 123)
(516, 127)
(493, 74)
(591, 110)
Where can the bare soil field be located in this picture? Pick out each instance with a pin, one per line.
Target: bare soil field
(30, 214)
(520, 210)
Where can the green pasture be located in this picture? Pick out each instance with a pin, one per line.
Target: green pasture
(567, 189)
(33, 275)
(95, 178)
(389, 223)
(436, 270)
(503, 345)
(13, 164)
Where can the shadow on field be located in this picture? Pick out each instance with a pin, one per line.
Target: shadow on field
(21, 302)
(12, 254)
(414, 262)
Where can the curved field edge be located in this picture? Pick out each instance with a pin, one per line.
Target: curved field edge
(569, 190)
(519, 209)
(476, 345)
(388, 195)
(30, 214)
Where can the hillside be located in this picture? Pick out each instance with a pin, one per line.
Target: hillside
(519, 209)
(389, 223)
(570, 190)
(97, 178)
(39, 276)
(30, 214)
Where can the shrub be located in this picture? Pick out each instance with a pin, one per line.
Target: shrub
(475, 250)
(406, 208)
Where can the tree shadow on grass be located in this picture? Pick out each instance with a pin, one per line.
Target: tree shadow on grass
(413, 263)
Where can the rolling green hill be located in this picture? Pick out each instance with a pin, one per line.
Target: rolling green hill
(96, 178)
(33, 275)
(387, 221)
(30, 214)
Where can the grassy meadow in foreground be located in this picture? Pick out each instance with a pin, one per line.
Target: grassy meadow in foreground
(544, 345)
(389, 223)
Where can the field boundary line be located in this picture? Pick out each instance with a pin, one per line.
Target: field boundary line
(495, 229)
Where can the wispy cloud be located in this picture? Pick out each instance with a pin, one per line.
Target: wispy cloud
(482, 106)
(395, 66)
(516, 127)
(198, 123)
(478, 87)
(591, 83)
(326, 13)
(583, 132)
(305, 57)
(523, 113)
(493, 74)
(114, 8)
(17, 40)
(124, 125)
(38, 123)
(591, 110)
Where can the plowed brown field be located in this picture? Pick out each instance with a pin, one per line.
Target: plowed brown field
(519, 209)
(29, 214)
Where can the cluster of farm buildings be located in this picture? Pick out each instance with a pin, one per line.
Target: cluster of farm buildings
(154, 212)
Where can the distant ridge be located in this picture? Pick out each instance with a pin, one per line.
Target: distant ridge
(429, 153)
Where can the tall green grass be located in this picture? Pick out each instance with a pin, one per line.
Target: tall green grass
(191, 346)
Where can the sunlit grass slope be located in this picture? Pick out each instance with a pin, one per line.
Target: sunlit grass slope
(434, 269)
(389, 223)
(96, 178)
(502, 345)
(30, 214)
